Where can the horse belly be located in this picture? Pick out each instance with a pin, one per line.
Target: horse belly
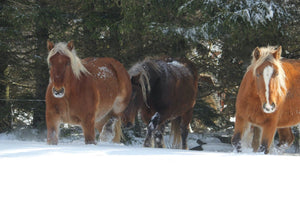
(107, 94)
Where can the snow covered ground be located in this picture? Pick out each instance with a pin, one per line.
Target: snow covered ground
(73, 169)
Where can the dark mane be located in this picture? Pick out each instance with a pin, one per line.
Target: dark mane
(151, 68)
(165, 88)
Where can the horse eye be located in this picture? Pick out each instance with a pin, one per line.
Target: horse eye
(274, 74)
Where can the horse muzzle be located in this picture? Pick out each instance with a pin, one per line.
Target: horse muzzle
(267, 108)
(58, 93)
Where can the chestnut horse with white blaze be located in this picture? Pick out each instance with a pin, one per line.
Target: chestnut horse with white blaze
(163, 90)
(268, 98)
(92, 92)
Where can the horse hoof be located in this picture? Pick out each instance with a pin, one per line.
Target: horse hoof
(90, 142)
(263, 149)
(147, 145)
(159, 145)
(52, 142)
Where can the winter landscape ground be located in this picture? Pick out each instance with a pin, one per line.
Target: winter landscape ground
(73, 169)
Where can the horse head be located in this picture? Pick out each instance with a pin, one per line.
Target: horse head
(61, 57)
(269, 77)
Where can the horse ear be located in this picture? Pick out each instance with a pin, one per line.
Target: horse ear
(50, 45)
(135, 80)
(277, 53)
(70, 45)
(256, 53)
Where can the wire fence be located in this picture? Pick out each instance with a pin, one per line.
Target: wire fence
(21, 113)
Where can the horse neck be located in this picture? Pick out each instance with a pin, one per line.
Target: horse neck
(249, 84)
(153, 76)
(71, 81)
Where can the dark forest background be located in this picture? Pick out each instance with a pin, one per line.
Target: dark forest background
(217, 35)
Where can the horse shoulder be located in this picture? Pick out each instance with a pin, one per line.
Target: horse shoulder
(246, 86)
(247, 97)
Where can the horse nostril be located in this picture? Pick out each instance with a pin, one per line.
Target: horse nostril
(58, 93)
(265, 106)
(273, 105)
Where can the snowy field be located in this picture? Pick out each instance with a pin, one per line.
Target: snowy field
(73, 169)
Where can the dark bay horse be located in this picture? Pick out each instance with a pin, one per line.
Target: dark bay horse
(268, 98)
(163, 89)
(92, 92)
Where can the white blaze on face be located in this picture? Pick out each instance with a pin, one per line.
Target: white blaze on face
(267, 73)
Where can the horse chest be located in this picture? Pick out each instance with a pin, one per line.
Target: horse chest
(68, 112)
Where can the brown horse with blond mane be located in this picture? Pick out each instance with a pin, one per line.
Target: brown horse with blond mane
(92, 92)
(268, 98)
(163, 90)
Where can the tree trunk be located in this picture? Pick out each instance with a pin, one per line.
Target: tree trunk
(41, 68)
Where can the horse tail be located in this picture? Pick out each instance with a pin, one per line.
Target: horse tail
(125, 87)
(145, 85)
(175, 133)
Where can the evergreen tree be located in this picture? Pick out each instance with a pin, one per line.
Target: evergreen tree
(218, 36)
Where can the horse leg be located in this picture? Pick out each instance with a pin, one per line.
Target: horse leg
(256, 138)
(99, 125)
(184, 134)
(150, 128)
(53, 122)
(158, 137)
(267, 138)
(111, 127)
(88, 127)
(184, 127)
(239, 129)
(107, 131)
(286, 137)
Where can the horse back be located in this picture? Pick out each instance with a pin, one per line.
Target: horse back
(176, 90)
(294, 62)
(112, 81)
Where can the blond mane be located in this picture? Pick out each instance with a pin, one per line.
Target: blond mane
(76, 64)
(140, 69)
(266, 54)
